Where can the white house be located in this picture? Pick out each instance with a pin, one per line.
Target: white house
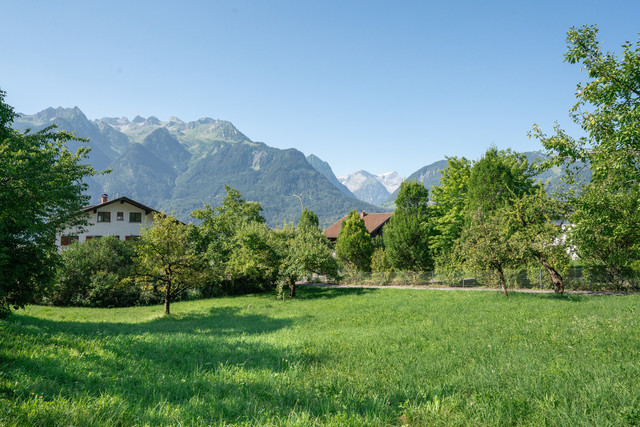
(121, 217)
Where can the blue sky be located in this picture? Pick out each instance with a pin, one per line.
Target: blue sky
(373, 85)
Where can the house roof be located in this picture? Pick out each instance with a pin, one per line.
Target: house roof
(372, 221)
(120, 200)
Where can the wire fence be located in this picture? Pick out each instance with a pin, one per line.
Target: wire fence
(575, 278)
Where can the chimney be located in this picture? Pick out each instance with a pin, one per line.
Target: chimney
(104, 198)
(363, 214)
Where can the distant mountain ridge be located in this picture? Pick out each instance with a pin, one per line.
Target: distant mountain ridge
(374, 189)
(324, 168)
(178, 166)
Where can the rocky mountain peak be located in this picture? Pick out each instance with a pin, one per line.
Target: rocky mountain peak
(114, 121)
(390, 180)
(153, 120)
(50, 114)
(353, 181)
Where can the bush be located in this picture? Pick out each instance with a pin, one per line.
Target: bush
(107, 290)
(449, 276)
(381, 267)
(91, 275)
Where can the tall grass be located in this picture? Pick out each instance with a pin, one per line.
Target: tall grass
(331, 357)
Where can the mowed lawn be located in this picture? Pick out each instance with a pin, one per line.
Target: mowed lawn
(329, 357)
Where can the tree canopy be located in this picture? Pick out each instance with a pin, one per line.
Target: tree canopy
(354, 246)
(606, 109)
(605, 212)
(303, 252)
(495, 182)
(166, 257)
(41, 194)
(308, 219)
(449, 209)
(407, 237)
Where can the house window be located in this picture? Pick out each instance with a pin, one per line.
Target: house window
(131, 237)
(135, 217)
(67, 240)
(120, 216)
(104, 216)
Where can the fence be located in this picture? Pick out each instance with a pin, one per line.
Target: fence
(575, 278)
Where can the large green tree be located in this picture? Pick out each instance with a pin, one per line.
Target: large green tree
(407, 236)
(605, 213)
(495, 182)
(216, 235)
(449, 209)
(253, 259)
(41, 194)
(606, 109)
(354, 246)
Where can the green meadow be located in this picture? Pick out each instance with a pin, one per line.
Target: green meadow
(328, 357)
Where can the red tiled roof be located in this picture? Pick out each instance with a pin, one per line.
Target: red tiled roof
(372, 221)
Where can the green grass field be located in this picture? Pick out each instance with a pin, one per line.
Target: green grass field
(330, 357)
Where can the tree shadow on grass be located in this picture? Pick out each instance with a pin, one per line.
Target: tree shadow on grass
(313, 292)
(550, 296)
(221, 366)
(97, 356)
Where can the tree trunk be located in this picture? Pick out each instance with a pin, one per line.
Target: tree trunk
(556, 278)
(503, 282)
(292, 287)
(167, 300)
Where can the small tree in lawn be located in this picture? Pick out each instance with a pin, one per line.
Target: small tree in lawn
(166, 257)
(354, 246)
(535, 236)
(486, 246)
(496, 180)
(304, 252)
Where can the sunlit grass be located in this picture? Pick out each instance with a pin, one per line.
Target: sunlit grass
(333, 356)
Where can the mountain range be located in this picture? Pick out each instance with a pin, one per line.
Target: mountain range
(178, 166)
